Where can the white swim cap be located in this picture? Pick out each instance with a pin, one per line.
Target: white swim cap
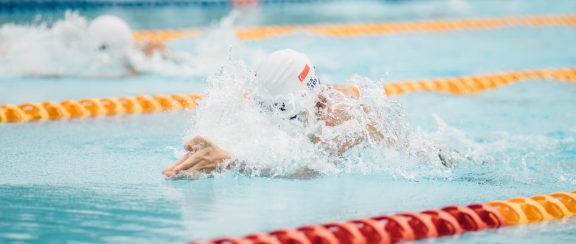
(110, 33)
(285, 72)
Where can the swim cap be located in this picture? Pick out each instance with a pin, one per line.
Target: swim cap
(285, 72)
(110, 33)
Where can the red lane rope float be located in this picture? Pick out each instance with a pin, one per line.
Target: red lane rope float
(488, 215)
(349, 30)
(421, 224)
(451, 220)
(446, 225)
(466, 217)
(83, 108)
(397, 227)
(372, 230)
(318, 234)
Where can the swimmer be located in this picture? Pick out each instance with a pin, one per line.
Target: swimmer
(111, 38)
(281, 76)
(101, 48)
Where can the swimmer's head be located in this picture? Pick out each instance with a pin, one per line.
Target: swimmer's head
(283, 76)
(110, 33)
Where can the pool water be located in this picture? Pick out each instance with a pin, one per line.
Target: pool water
(98, 180)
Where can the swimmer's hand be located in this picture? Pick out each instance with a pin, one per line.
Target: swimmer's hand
(202, 156)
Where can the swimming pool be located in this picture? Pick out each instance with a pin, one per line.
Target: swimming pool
(99, 180)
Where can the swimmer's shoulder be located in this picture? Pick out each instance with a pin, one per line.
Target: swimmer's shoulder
(348, 90)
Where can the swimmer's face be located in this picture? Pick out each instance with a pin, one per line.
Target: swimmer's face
(112, 47)
(103, 47)
(292, 106)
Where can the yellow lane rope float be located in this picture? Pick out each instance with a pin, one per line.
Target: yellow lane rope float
(146, 104)
(348, 30)
(411, 226)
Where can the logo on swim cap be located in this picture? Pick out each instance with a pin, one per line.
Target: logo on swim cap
(304, 73)
(313, 81)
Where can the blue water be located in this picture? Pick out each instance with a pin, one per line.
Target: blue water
(99, 180)
(324, 11)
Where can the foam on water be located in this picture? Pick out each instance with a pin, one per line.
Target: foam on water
(268, 144)
(43, 49)
(65, 48)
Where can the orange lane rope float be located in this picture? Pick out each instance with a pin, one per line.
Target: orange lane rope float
(96, 107)
(147, 104)
(348, 30)
(478, 83)
(410, 226)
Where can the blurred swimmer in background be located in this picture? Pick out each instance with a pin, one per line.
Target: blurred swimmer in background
(286, 86)
(111, 37)
(103, 48)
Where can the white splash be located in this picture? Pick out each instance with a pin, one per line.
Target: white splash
(43, 49)
(66, 48)
(269, 144)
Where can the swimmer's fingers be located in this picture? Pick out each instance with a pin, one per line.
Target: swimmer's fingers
(168, 170)
(188, 163)
(181, 160)
(195, 172)
(205, 166)
(201, 169)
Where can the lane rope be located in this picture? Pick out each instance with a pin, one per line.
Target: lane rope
(478, 83)
(95, 107)
(411, 226)
(350, 30)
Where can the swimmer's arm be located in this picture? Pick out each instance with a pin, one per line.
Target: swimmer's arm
(152, 46)
(348, 90)
(131, 73)
(341, 145)
(336, 116)
(354, 92)
(345, 144)
(45, 75)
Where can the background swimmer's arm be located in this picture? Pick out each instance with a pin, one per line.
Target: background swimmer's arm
(132, 71)
(153, 46)
(45, 75)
